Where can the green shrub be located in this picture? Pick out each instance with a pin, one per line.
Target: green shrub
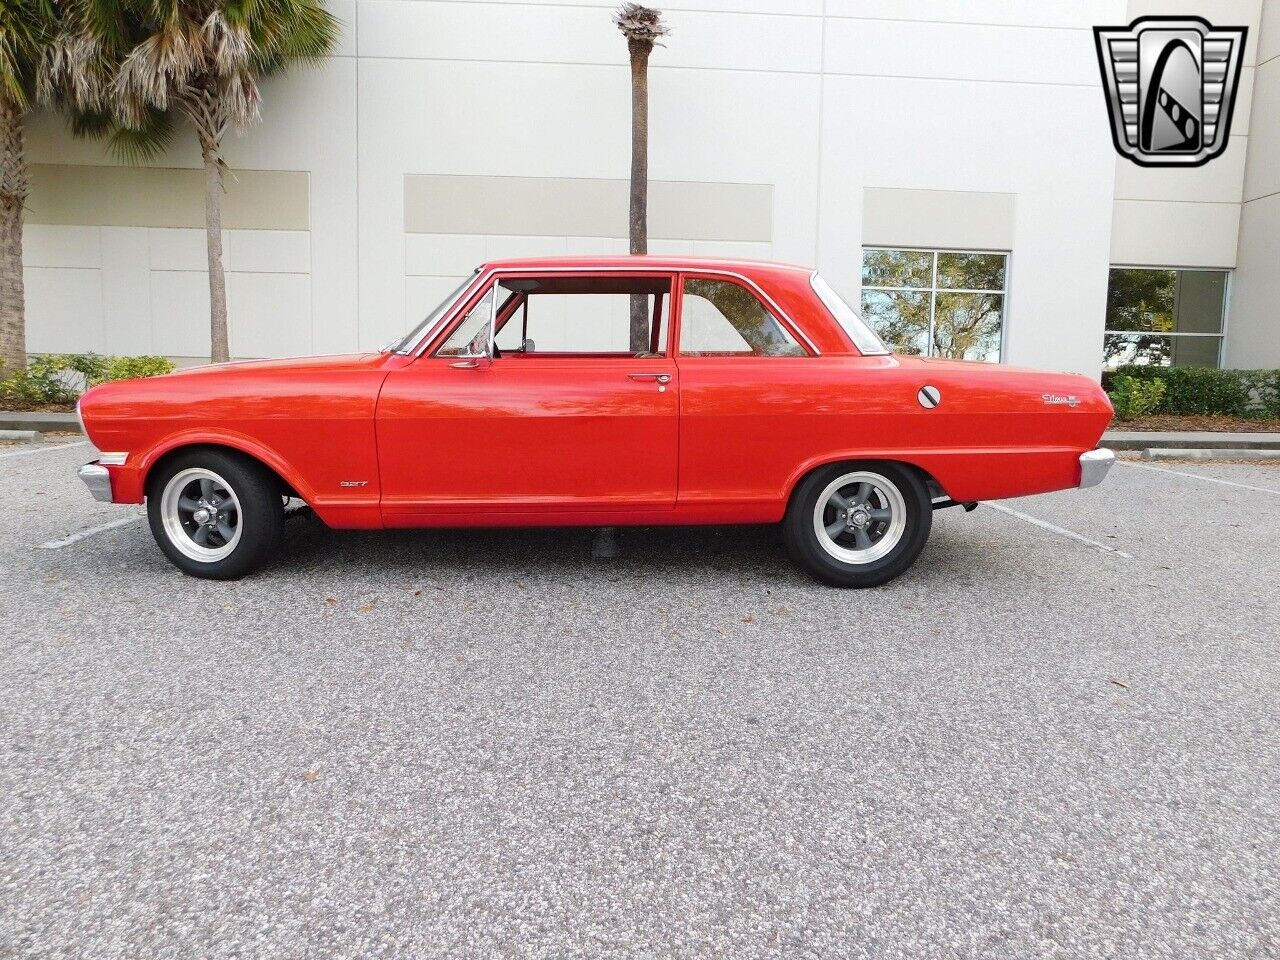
(135, 368)
(1204, 391)
(1133, 398)
(59, 378)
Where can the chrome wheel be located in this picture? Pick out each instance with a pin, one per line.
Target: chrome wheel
(859, 517)
(201, 514)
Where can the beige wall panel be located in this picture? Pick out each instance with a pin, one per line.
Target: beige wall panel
(1262, 171)
(180, 303)
(126, 291)
(164, 197)
(557, 207)
(1221, 13)
(1219, 181)
(1038, 13)
(563, 33)
(951, 51)
(1253, 325)
(1167, 234)
(64, 310)
(1269, 38)
(937, 218)
(45, 245)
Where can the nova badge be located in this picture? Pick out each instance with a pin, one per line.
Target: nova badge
(1060, 399)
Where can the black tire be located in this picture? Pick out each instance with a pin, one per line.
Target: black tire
(815, 554)
(259, 519)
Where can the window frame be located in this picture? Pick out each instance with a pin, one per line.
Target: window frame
(491, 278)
(1226, 307)
(781, 316)
(933, 289)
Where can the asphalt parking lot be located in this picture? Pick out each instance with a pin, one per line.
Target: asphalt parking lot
(491, 744)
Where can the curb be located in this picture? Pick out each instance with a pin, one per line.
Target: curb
(26, 436)
(39, 422)
(1182, 442)
(1202, 453)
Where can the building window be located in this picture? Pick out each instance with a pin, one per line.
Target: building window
(1164, 318)
(936, 303)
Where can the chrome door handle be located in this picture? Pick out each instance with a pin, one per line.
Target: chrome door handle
(660, 377)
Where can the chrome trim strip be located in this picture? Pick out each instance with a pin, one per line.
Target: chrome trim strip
(113, 459)
(489, 273)
(98, 479)
(1094, 465)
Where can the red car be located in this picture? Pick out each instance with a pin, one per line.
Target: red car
(601, 392)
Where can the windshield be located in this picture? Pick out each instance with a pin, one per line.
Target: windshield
(405, 344)
(863, 337)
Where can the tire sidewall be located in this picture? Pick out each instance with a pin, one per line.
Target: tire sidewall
(261, 512)
(803, 543)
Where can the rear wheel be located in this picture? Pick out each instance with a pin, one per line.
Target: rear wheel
(858, 525)
(215, 514)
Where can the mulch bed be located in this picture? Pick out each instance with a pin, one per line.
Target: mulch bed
(1196, 424)
(10, 405)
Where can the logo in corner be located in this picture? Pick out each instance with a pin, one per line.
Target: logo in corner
(1171, 88)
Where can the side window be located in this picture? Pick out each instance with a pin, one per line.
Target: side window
(585, 316)
(471, 336)
(720, 318)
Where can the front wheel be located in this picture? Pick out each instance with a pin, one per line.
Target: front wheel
(214, 514)
(858, 525)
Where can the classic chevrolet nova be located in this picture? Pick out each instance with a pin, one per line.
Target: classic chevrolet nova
(601, 392)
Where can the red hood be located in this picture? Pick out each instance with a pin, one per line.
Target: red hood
(338, 361)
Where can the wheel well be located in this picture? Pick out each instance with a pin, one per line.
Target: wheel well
(932, 485)
(222, 448)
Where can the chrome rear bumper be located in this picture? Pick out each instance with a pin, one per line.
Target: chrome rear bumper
(1094, 465)
(98, 480)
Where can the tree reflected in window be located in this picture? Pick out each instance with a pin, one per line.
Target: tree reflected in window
(945, 303)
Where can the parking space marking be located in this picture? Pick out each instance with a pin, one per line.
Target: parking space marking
(50, 449)
(1199, 476)
(85, 534)
(1061, 531)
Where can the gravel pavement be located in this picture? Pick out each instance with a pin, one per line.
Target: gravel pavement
(489, 744)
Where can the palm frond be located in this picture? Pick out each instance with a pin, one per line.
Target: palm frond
(147, 141)
(640, 24)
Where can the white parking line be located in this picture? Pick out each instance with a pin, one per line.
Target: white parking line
(85, 534)
(49, 449)
(1199, 476)
(1061, 531)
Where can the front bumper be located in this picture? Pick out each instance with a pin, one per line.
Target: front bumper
(98, 479)
(1094, 465)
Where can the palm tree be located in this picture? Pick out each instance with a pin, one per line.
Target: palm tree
(25, 29)
(642, 26)
(201, 61)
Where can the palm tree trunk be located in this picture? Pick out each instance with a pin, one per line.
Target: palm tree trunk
(219, 352)
(639, 219)
(13, 197)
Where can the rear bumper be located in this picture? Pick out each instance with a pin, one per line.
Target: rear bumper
(1094, 465)
(98, 479)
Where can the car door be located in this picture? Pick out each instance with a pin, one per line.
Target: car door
(566, 422)
(752, 397)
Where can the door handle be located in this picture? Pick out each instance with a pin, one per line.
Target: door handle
(660, 377)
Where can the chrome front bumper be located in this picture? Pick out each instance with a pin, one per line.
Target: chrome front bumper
(1094, 465)
(98, 480)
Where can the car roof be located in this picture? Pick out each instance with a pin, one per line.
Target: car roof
(650, 261)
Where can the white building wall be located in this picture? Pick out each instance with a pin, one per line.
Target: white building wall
(986, 96)
(1253, 325)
